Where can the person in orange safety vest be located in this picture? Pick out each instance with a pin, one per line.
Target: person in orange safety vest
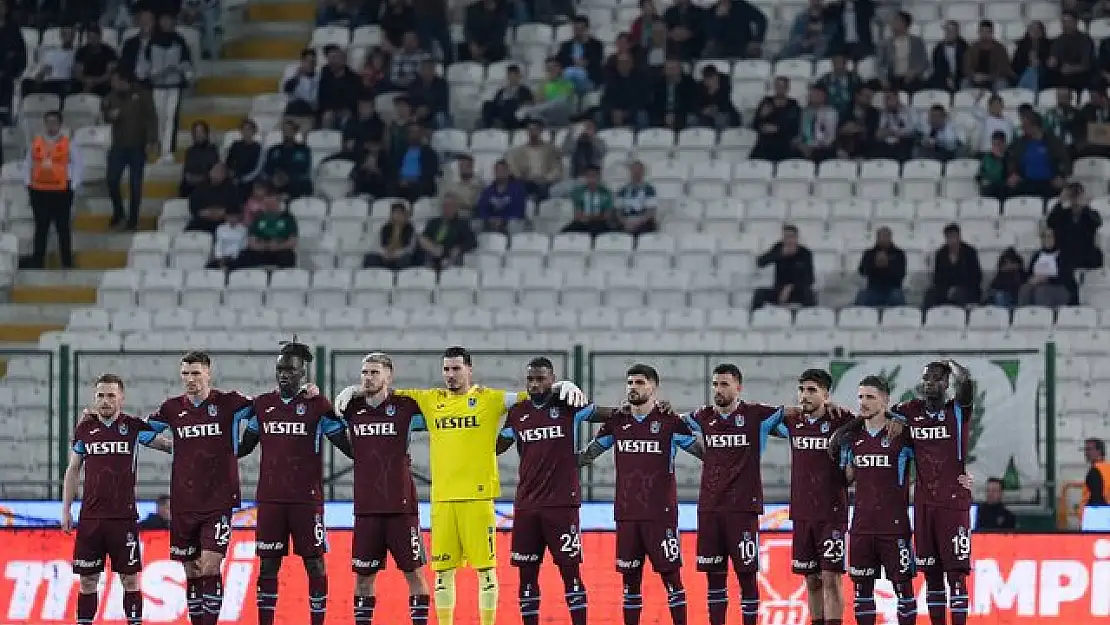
(52, 172)
(1096, 486)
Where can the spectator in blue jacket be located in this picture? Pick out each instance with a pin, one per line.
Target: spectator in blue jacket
(503, 202)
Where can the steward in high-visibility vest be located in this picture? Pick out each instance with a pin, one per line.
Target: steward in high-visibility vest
(1096, 487)
(52, 172)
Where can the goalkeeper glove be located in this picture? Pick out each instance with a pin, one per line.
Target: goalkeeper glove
(570, 393)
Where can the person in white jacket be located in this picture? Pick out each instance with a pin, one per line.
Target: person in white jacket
(938, 138)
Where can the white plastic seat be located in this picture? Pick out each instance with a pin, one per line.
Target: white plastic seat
(205, 288)
(945, 318)
(695, 252)
(570, 251)
(89, 320)
(288, 288)
(641, 320)
(813, 319)
(583, 290)
(1032, 318)
(457, 286)
(611, 250)
(988, 318)
(472, 319)
(498, 289)
(901, 318)
(245, 288)
(857, 318)
(793, 178)
(131, 320)
(414, 288)
(1076, 318)
(877, 179)
(160, 288)
(330, 287)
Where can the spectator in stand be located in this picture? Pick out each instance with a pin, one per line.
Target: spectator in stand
(991, 176)
(416, 167)
(583, 149)
(991, 121)
(1091, 140)
(1051, 279)
(339, 89)
(135, 47)
(485, 26)
(948, 59)
(675, 98)
(686, 23)
(818, 129)
(553, 99)
(987, 64)
(1071, 57)
(367, 127)
(54, 73)
(213, 199)
(244, 158)
(262, 196)
(841, 84)
(637, 203)
(1008, 278)
(938, 139)
(368, 177)
(206, 17)
(622, 45)
(624, 102)
(1037, 162)
(503, 203)
(500, 112)
(160, 518)
(94, 64)
(1063, 119)
(130, 111)
(735, 28)
(858, 126)
(810, 33)
(430, 96)
(346, 13)
(397, 19)
(272, 240)
(992, 513)
(643, 27)
(894, 138)
(1030, 62)
(53, 170)
(373, 77)
(957, 275)
(902, 60)
(396, 241)
(13, 62)
(1096, 485)
(1076, 226)
(581, 56)
(1103, 61)
(659, 49)
(884, 267)
(467, 186)
(229, 242)
(852, 27)
(397, 133)
(168, 65)
(714, 101)
(593, 206)
(199, 159)
(407, 61)
(446, 239)
(288, 165)
(431, 26)
(537, 163)
(777, 121)
(794, 273)
(303, 90)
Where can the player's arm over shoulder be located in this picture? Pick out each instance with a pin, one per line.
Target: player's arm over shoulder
(148, 435)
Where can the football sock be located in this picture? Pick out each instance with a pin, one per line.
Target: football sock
(575, 593)
(676, 597)
(133, 606)
(907, 603)
(957, 599)
(317, 598)
(749, 598)
(529, 595)
(865, 601)
(86, 607)
(817, 621)
(936, 596)
(487, 596)
(267, 600)
(212, 591)
(418, 609)
(445, 597)
(717, 597)
(364, 609)
(633, 597)
(194, 601)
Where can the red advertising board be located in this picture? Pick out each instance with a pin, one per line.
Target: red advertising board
(1018, 580)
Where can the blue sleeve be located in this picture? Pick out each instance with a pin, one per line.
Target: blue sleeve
(252, 423)
(606, 442)
(157, 425)
(418, 424)
(692, 423)
(782, 431)
(146, 437)
(79, 447)
(899, 417)
(331, 424)
(959, 411)
(904, 458)
(508, 433)
(584, 414)
(684, 441)
(770, 424)
(846, 456)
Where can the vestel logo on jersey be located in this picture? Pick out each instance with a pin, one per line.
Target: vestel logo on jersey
(387, 428)
(108, 448)
(931, 433)
(639, 447)
(726, 440)
(457, 423)
(810, 443)
(197, 431)
(288, 428)
(872, 461)
(535, 435)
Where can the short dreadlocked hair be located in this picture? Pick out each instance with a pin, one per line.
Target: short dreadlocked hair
(295, 348)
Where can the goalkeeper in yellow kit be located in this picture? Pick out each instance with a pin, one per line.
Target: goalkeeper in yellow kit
(463, 422)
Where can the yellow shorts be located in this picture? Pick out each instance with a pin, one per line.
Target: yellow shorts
(463, 532)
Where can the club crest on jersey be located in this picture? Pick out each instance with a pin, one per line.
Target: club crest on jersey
(654, 427)
(747, 536)
(301, 409)
(390, 410)
(472, 402)
(885, 442)
(123, 429)
(739, 420)
(212, 410)
(825, 427)
(836, 534)
(554, 413)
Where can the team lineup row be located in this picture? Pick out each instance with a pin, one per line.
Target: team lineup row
(469, 425)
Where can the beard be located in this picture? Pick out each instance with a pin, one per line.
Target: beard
(637, 399)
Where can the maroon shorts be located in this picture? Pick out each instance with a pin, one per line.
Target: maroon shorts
(893, 554)
(942, 538)
(377, 534)
(656, 541)
(194, 532)
(818, 546)
(554, 529)
(280, 522)
(100, 539)
(724, 536)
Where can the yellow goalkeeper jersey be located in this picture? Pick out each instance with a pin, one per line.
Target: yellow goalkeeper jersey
(463, 433)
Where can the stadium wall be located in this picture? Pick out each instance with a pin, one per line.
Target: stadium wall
(1018, 580)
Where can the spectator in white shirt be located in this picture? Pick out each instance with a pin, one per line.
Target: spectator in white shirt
(992, 120)
(54, 73)
(1051, 280)
(302, 85)
(229, 242)
(817, 132)
(938, 138)
(895, 132)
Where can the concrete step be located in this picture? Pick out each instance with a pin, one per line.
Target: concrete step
(238, 85)
(216, 121)
(91, 259)
(225, 105)
(102, 207)
(225, 68)
(26, 332)
(55, 294)
(271, 48)
(98, 223)
(282, 12)
(48, 278)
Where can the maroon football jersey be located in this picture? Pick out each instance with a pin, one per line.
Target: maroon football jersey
(645, 448)
(940, 442)
(546, 440)
(205, 472)
(730, 477)
(882, 485)
(817, 488)
(290, 434)
(109, 450)
(380, 442)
